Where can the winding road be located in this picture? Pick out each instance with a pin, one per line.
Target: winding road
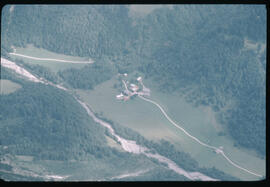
(216, 149)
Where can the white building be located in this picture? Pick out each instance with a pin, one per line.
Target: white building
(134, 87)
(139, 79)
(120, 96)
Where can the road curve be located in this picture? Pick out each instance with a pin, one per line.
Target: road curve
(218, 150)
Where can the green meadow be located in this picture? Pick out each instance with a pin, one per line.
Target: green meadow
(147, 119)
(55, 66)
(7, 86)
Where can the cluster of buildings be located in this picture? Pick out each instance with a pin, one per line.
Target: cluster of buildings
(133, 89)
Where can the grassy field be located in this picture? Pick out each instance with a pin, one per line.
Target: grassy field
(55, 66)
(146, 119)
(7, 86)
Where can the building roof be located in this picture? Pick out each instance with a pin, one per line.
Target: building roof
(133, 85)
(134, 88)
(139, 78)
(120, 95)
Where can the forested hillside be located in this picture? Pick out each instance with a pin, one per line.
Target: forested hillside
(204, 48)
(86, 31)
(37, 120)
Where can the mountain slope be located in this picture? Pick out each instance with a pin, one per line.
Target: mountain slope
(37, 120)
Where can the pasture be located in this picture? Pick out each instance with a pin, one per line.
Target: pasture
(7, 86)
(55, 66)
(147, 119)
